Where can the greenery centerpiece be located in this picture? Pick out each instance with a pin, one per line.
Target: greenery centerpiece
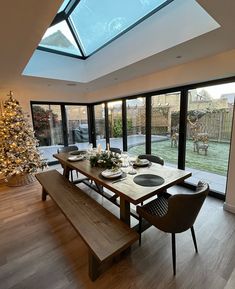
(106, 160)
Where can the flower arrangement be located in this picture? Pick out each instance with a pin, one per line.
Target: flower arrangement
(106, 160)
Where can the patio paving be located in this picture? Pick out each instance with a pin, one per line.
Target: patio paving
(216, 182)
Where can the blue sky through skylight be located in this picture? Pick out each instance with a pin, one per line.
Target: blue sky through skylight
(96, 23)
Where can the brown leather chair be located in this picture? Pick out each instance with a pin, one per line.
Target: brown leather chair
(174, 214)
(152, 158)
(65, 150)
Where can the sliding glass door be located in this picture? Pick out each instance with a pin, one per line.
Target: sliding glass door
(100, 129)
(77, 126)
(136, 125)
(57, 125)
(115, 124)
(47, 121)
(165, 127)
(209, 125)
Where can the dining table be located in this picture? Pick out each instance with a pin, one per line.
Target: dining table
(148, 181)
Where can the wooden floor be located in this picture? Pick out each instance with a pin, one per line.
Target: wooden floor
(40, 249)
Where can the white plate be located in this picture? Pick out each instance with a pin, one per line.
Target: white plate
(75, 158)
(141, 162)
(110, 174)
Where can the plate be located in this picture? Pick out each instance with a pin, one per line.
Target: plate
(75, 158)
(110, 174)
(141, 163)
(75, 153)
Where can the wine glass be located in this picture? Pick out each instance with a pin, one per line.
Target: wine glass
(125, 161)
(132, 171)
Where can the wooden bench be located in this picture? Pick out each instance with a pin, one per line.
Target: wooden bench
(105, 235)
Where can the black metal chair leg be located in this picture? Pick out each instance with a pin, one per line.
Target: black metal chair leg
(71, 175)
(173, 252)
(194, 239)
(140, 230)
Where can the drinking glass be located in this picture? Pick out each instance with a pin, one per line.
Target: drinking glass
(132, 171)
(125, 161)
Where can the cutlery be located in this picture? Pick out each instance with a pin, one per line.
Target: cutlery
(119, 180)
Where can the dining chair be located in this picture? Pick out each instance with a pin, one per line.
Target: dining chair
(152, 158)
(115, 150)
(65, 150)
(174, 214)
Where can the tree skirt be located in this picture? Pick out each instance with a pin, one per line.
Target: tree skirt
(20, 180)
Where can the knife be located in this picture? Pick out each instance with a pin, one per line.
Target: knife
(119, 180)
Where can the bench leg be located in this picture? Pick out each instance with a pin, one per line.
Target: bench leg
(93, 266)
(44, 195)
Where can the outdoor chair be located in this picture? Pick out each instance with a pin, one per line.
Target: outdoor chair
(152, 158)
(65, 150)
(174, 214)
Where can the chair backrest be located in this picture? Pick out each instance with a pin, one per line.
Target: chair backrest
(152, 158)
(183, 210)
(67, 149)
(115, 150)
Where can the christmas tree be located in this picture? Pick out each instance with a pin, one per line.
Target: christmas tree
(18, 146)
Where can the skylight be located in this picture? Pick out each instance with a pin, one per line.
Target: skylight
(81, 28)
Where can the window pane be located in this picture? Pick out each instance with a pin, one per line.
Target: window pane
(136, 125)
(48, 128)
(115, 124)
(210, 111)
(63, 6)
(59, 37)
(98, 22)
(100, 125)
(77, 126)
(165, 127)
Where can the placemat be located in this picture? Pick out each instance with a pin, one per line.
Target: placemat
(148, 180)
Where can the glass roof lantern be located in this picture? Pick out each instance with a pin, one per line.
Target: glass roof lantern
(80, 28)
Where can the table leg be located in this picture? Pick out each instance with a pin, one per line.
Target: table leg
(66, 171)
(125, 213)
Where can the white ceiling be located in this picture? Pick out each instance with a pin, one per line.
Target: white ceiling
(22, 26)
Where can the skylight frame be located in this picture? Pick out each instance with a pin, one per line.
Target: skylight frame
(65, 15)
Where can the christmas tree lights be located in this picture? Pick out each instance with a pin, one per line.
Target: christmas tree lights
(18, 146)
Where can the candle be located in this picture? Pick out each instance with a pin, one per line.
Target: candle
(99, 148)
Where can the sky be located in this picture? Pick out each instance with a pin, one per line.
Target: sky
(217, 90)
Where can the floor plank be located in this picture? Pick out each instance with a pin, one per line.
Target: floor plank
(40, 249)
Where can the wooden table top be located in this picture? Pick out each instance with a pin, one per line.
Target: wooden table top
(127, 188)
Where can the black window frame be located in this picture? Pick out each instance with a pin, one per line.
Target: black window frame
(183, 121)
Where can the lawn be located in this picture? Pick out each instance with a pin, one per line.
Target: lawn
(216, 160)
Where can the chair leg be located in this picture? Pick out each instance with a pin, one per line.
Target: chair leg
(140, 230)
(194, 239)
(71, 172)
(173, 252)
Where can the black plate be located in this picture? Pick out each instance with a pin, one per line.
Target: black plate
(148, 180)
